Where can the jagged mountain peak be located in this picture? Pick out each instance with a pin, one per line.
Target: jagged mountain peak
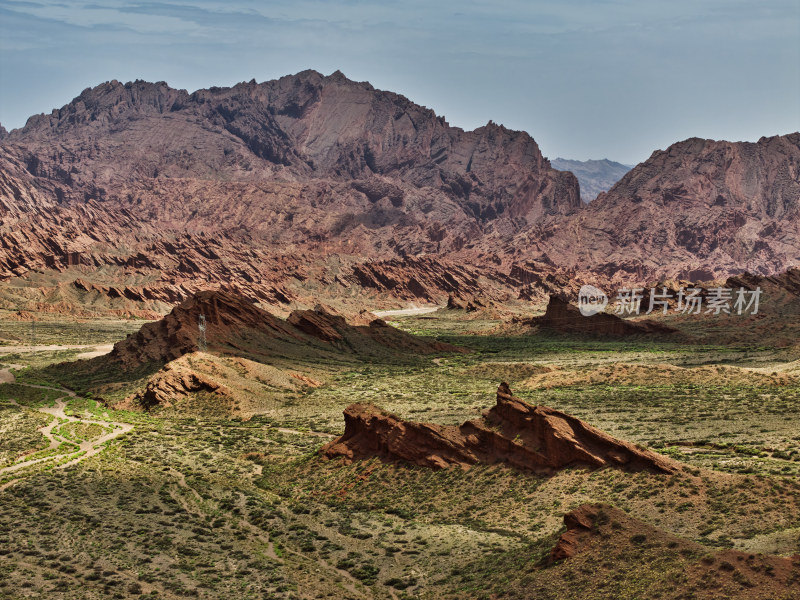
(700, 210)
(306, 160)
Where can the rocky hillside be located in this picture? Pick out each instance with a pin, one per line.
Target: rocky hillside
(236, 326)
(699, 210)
(315, 185)
(176, 191)
(305, 158)
(600, 534)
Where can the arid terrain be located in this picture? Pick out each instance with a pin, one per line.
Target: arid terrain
(133, 196)
(169, 471)
(305, 339)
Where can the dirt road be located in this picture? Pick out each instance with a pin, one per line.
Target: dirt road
(86, 449)
(406, 312)
(98, 351)
(6, 376)
(90, 349)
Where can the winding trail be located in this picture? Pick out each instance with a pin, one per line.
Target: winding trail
(27, 348)
(406, 312)
(86, 449)
(6, 376)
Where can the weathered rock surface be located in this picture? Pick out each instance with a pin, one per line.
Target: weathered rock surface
(789, 282)
(533, 438)
(169, 386)
(580, 526)
(601, 534)
(699, 210)
(226, 314)
(314, 182)
(327, 163)
(563, 316)
(193, 191)
(234, 325)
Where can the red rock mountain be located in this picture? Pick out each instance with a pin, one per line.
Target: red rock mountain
(295, 129)
(310, 185)
(533, 438)
(177, 191)
(699, 210)
(305, 158)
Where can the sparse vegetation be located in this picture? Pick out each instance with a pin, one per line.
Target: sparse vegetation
(197, 503)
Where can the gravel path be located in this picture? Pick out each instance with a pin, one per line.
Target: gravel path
(406, 312)
(86, 449)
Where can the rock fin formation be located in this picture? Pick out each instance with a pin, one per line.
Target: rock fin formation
(532, 438)
(236, 326)
(563, 316)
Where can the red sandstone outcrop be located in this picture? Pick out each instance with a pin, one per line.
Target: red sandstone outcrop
(533, 438)
(563, 316)
(599, 533)
(788, 281)
(170, 386)
(431, 279)
(227, 315)
(234, 325)
(317, 323)
(580, 526)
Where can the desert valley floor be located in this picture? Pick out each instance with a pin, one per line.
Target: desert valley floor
(286, 335)
(223, 492)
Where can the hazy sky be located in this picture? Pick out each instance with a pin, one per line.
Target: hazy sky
(586, 78)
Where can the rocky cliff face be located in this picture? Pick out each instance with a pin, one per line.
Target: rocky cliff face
(332, 183)
(318, 142)
(533, 438)
(213, 186)
(699, 210)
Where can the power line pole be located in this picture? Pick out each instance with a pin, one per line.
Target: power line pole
(201, 339)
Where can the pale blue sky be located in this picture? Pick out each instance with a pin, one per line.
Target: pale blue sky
(586, 78)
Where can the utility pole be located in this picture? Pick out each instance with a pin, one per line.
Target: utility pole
(201, 339)
(33, 330)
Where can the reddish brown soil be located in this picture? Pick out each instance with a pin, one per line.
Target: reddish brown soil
(599, 535)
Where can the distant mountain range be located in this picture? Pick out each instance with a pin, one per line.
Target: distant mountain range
(594, 176)
(314, 185)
